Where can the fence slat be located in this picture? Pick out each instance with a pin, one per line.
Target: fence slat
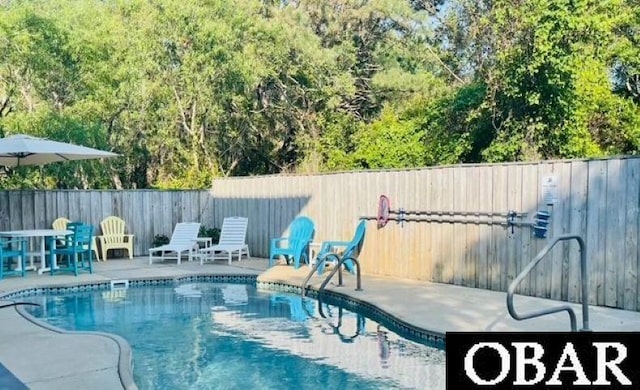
(596, 206)
(630, 277)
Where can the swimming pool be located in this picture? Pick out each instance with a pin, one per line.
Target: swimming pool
(227, 335)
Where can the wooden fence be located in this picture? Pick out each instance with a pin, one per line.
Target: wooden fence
(598, 199)
(146, 212)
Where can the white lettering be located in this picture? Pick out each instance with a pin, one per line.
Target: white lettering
(504, 363)
(569, 352)
(522, 361)
(603, 364)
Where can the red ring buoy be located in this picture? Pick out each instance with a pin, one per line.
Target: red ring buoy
(384, 205)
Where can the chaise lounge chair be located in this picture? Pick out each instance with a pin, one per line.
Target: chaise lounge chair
(183, 240)
(296, 246)
(232, 239)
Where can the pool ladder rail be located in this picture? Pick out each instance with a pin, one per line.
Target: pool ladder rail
(338, 268)
(360, 324)
(556, 309)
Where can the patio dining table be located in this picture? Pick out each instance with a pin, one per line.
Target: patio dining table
(42, 234)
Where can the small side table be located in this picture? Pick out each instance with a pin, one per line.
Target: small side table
(203, 243)
(314, 249)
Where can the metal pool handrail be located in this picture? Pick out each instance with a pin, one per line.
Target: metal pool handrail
(337, 268)
(319, 260)
(556, 309)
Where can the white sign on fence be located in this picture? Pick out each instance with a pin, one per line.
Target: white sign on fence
(550, 189)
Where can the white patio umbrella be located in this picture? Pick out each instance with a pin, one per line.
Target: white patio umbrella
(18, 150)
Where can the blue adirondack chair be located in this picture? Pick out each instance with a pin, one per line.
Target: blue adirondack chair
(76, 249)
(343, 248)
(14, 248)
(296, 246)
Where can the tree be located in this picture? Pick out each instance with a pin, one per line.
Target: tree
(542, 62)
(189, 90)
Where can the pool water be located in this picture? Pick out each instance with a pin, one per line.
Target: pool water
(233, 336)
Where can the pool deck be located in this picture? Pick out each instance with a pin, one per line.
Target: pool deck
(43, 358)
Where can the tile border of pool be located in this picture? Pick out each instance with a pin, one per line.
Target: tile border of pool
(142, 281)
(404, 329)
(125, 359)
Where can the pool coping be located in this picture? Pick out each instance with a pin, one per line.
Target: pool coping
(125, 355)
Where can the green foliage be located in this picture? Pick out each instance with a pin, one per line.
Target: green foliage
(389, 143)
(454, 125)
(549, 87)
(159, 239)
(336, 144)
(187, 91)
(212, 232)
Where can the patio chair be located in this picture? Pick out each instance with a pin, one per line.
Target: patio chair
(232, 239)
(114, 237)
(183, 240)
(61, 224)
(296, 246)
(343, 248)
(10, 250)
(77, 249)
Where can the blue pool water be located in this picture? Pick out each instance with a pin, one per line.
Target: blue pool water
(233, 336)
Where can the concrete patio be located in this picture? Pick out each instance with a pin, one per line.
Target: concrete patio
(93, 361)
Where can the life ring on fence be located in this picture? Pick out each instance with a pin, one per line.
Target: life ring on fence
(384, 205)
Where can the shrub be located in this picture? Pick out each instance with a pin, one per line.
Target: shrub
(213, 232)
(160, 239)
